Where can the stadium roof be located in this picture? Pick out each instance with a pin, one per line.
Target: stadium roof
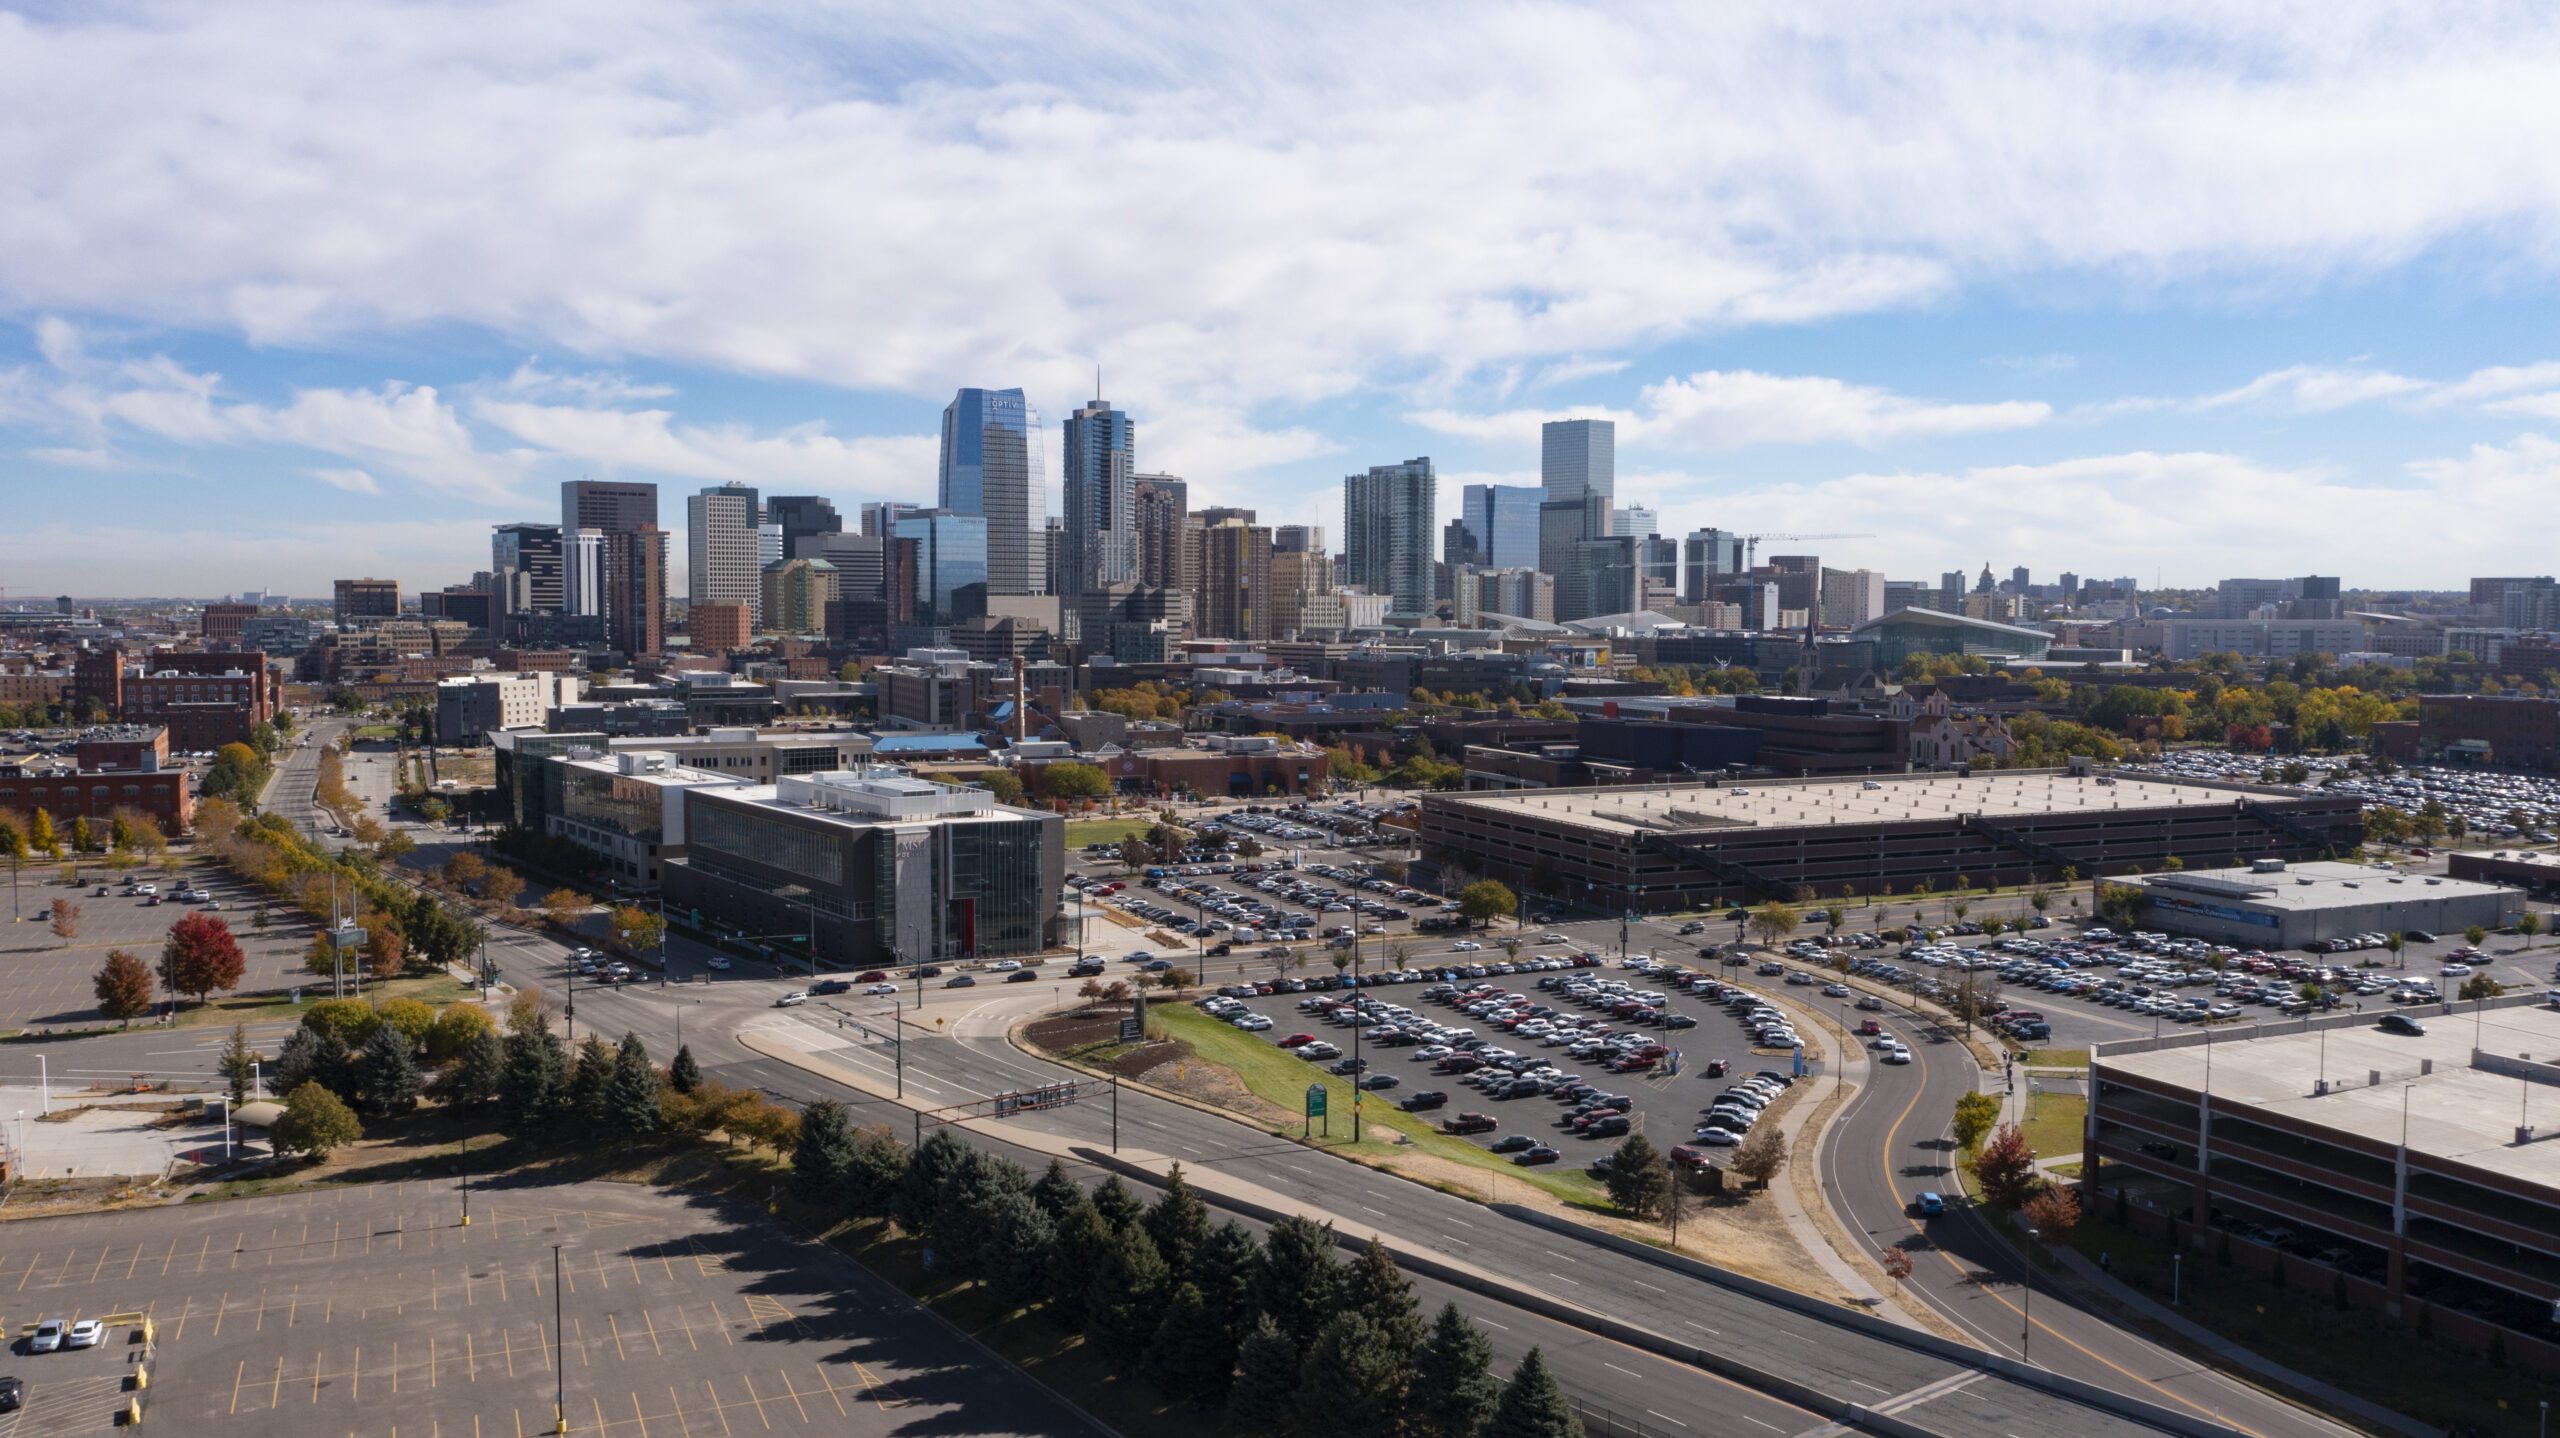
(1940, 619)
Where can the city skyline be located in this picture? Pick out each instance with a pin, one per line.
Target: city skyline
(2318, 337)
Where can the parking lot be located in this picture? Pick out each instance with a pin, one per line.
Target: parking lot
(374, 1311)
(45, 983)
(1550, 1050)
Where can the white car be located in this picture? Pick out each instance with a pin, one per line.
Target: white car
(1897, 1055)
(1003, 966)
(47, 1337)
(881, 989)
(792, 1000)
(1252, 1023)
(716, 961)
(1465, 946)
(87, 1333)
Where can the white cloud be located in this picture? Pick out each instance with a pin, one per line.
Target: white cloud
(531, 381)
(2316, 389)
(353, 481)
(1729, 409)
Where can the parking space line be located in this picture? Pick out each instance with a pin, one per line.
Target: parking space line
(30, 1273)
(395, 1367)
(317, 1363)
(219, 1308)
(639, 1417)
(471, 1355)
(293, 1305)
(130, 1263)
(431, 1360)
(601, 1425)
(236, 1375)
(832, 1391)
(795, 1395)
(275, 1390)
(202, 1248)
(583, 1358)
(543, 1346)
(653, 1333)
(615, 1326)
(757, 1400)
(678, 1404)
(355, 1378)
(718, 1408)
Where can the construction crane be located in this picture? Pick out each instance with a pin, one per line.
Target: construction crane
(1751, 543)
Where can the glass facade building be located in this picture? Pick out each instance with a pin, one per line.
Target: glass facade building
(1387, 532)
(991, 469)
(951, 566)
(1503, 519)
(1100, 536)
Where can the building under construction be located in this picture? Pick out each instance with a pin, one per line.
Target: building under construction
(1669, 848)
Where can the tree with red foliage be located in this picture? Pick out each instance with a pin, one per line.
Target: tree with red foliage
(2006, 1168)
(2054, 1212)
(201, 956)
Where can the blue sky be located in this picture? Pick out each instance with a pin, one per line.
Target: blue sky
(294, 292)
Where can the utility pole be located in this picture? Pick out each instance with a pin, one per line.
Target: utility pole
(559, 1367)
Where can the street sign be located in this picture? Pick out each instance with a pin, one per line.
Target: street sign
(1133, 1030)
(1315, 1100)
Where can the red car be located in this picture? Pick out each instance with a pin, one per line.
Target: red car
(1469, 1123)
(1294, 1040)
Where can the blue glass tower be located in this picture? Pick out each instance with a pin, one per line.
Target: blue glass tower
(951, 565)
(1100, 500)
(991, 469)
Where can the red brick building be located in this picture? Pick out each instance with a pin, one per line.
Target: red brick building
(136, 747)
(222, 622)
(2503, 729)
(206, 700)
(97, 794)
(719, 628)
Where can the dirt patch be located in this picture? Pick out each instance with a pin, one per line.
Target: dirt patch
(1208, 1083)
(1065, 1033)
(1135, 1060)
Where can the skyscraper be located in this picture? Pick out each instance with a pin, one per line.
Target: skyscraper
(1099, 496)
(607, 506)
(635, 589)
(991, 468)
(802, 517)
(720, 548)
(583, 555)
(950, 575)
(1387, 529)
(1235, 581)
(525, 562)
(1162, 509)
(1635, 520)
(1707, 557)
(1578, 457)
(1503, 519)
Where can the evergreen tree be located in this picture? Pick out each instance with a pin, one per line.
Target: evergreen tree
(630, 1097)
(1122, 1297)
(312, 1056)
(1374, 1288)
(1352, 1381)
(930, 1170)
(1454, 1390)
(1017, 1262)
(964, 1230)
(1223, 1272)
(1295, 1281)
(1083, 1246)
(1056, 1192)
(387, 1078)
(876, 1175)
(239, 1065)
(587, 1079)
(1178, 1222)
(1532, 1405)
(824, 1155)
(1117, 1205)
(1639, 1181)
(473, 1076)
(1188, 1358)
(684, 1075)
(532, 1082)
(1264, 1398)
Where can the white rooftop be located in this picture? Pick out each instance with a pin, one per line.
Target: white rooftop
(2317, 885)
(1817, 803)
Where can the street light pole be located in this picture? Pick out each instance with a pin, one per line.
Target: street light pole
(559, 1368)
(2027, 1308)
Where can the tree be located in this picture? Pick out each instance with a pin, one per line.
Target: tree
(1975, 1114)
(1486, 900)
(685, 1075)
(1071, 781)
(1117, 1205)
(1639, 1180)
(311, 1056)
(238, 1065)
(1188, 1358)
(530, 1083)
(84, 836)
(1018, 1243)
(1353, 1379)
(41, 836)
(928, 1179)
(2528, 924)
(66, 921)
(502, 886)
(1297, 1279)
(2054, 1212)
(465, 869)
(413, 1019)
(387, 1079)
(589, 1072)
(124, 987)
(1264, 1398)
(2006, 1168)
(1083, 1245)
(1374, 1288)
(1772, 922)
(1533, 1405)
(313, 1123)
(1761, 1156)
(824, 1155)
(563, 906)
(1121, 1303)
(1056, 1191)
(201, 956)
(350, 1021)
(456, 1030)
(1178, 1222)
(636, 929)
(385, 951)
(2475, 935)
(1454, 1392)
(2480, 986)
(631, 1095)
(1897, 1265)
(473, 1075)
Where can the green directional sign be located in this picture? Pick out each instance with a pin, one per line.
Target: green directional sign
(1315, 1100)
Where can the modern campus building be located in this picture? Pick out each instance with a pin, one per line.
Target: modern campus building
(2417, 1173)
(876, 865)
(1905, 632)
(2271, 904)
(1672, 847)
(627, 808)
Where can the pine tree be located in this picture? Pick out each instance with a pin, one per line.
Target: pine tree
(876, 1176)
(1532, 1405)
(930, 1170)
(1121, 1299)
(1187, 1358)
(1264, 1398)
(824, 1155)
(631, 1092)
(1454, 1390)
(1082, 1247)
(684, 1075)
(1639, 1183)
(313, 1056)
(387, 1078)
(1117, 1205)
(587, 1080)
(532, 1082)
(1375, 1289)
(1295, 1282)
(239, 1065)
(1223, 1272)
(473, 1076)
(1057, 1193)
(1017, 1262)
(1178, 1222)
(963, 1234)
(1352, 1381)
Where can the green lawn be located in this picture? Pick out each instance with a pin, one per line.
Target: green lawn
(1081, 832)
(2055, 1123)
(1281, 1079)
(2054, 1059)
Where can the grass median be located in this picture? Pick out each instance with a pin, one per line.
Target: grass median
(1081, 832)
(1278, 1077)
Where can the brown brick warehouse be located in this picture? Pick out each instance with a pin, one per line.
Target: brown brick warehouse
(1670, 848)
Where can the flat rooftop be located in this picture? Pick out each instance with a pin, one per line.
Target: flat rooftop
(2457, 1113)
(2304, 887)
(1816, 803)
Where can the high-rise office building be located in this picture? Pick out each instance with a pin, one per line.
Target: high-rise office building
(583, 553)
(1302, 593)
(770, 550)
(1851, 597)
(1563, 526)
(1160, 511)
(949, 566)
(366, 600)
(1503, 520)
(1707, 557)
(1578, 457)
(1098, 496)
(604, 505)
(801, 518)
(1235, 581)
(2070, 586)
(1297, 539)
(1635, 521)
(525, 566)
(634, 600)
(879, 516)
(720, 548)
(1387, 529)
(796, 595)
(991, 468)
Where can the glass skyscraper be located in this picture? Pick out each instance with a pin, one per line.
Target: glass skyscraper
(951, 583)
(1503, 518)
(1387, 530)
(1098, 484)
(1578, 457)
(991, 469)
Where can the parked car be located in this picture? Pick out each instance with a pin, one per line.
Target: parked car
(47, 1337)
(1469, 1123)
(87, 1333)
(2396, 1023)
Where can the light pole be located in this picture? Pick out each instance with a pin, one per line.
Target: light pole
(2027, 1308)
(2177, 1276)
(559, 1369)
